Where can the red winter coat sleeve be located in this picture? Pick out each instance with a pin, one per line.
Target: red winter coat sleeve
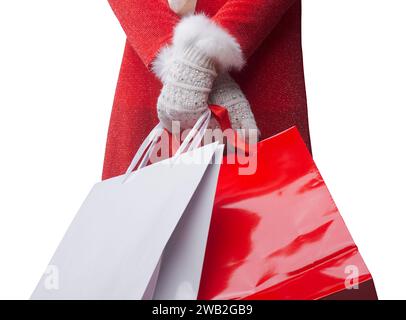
(250, 21)
(148, 24)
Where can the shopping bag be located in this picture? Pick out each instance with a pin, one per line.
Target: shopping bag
(277, 233)
(113, 246)
(181, 263)
(182, 259)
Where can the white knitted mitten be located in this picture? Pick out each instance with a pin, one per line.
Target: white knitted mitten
(227, 93)
(186, 87)
(187, 68)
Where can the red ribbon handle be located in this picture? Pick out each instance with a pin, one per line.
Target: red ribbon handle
(221, 115)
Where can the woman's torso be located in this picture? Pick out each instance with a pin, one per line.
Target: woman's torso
(272, 80)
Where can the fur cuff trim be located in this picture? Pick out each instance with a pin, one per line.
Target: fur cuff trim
(162, 62)
(208, 37)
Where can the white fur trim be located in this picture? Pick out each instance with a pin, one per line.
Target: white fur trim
(208, 37)
(213, 40)
(162, 62)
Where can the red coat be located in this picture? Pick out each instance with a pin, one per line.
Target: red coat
(269, 33)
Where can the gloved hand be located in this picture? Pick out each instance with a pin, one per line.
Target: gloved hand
(187, 83)
(227, 93)
(187, 68)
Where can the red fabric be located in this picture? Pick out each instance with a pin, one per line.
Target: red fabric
(250, 22)
(147, 24)
(269, 32)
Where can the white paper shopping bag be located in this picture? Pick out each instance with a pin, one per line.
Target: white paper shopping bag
(113, 245)
(182, 261)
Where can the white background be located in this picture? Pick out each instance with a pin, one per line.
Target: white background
(59, 62)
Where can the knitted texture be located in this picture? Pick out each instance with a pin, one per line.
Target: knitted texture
(227, 93)
(200, 39)
(186, 88)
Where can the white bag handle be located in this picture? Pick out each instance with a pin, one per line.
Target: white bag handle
(149, 141)
(196, 133)
(194, 137)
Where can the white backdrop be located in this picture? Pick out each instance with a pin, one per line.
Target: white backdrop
(59, 62)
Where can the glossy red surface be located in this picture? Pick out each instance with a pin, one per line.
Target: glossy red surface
(277, 234)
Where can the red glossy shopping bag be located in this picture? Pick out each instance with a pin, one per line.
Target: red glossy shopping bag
(277, 233)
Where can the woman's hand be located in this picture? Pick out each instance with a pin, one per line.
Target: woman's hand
(188, 70)
(187, 83)
(227, 93)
